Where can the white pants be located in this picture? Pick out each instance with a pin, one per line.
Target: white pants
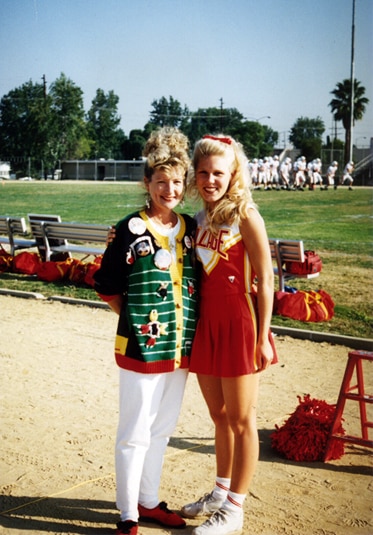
(149, 406)
(347, 179)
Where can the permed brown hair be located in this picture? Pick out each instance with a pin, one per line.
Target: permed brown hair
(166, 147)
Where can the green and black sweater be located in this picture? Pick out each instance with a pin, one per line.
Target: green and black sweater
(157, 321)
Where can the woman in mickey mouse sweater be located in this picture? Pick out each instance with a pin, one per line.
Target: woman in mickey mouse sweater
(147, 276)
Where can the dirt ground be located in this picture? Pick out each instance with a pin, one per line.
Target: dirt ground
(58, 423)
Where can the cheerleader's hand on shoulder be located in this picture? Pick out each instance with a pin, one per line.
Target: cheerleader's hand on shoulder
(110, 236)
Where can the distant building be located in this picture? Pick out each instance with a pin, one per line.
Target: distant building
(5, 170)
(363, 158)
(132, 170)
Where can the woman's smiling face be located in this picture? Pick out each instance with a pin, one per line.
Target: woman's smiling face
(213, 175)
(166, 188)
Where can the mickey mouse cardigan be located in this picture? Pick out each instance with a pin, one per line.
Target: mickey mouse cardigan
(158, 316)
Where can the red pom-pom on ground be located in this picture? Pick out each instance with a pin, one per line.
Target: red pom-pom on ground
(303, 437)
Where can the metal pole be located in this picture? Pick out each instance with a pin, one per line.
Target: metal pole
(350, 152)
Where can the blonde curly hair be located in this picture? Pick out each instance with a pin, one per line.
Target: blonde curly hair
(237, 201)
(166, 147)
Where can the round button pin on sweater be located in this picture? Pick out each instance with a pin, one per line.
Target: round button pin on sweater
(162, 259)
(137, 226)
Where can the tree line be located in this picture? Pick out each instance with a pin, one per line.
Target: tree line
(48, 126)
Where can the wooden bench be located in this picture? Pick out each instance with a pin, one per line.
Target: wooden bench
(11, 228)
(85, 238)
(283, 251)
(36, 226)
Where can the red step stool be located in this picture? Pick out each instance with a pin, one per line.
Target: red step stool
(354, 362)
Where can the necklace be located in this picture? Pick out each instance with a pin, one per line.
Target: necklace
(167, 225)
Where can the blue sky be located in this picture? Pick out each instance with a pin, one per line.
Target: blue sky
(277, 58)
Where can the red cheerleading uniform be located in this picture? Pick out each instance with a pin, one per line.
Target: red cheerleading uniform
(225, 341)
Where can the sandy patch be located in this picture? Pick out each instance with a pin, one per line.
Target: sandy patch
(58, 423)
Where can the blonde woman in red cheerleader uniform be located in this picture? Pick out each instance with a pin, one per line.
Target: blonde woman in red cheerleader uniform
(233, 344)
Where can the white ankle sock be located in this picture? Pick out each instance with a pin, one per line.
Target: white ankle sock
(234, 502)
(221, 488)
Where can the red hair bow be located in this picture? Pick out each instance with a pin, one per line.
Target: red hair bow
(226, 140)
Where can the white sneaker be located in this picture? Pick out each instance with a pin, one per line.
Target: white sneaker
(222, 522)
(205, 506)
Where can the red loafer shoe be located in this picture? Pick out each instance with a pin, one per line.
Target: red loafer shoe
(161, 515)
(127, 528)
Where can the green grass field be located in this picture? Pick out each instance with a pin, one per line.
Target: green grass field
(336, 224)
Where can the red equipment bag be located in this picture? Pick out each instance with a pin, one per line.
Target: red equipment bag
(304, 306)
(6, 260)
(311, 264)
(27, 263)
(51, 271)
(92, 267)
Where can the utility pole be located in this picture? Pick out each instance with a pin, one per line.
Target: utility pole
(44, 172)
(44, 86)
(221, 114)
(350, 149)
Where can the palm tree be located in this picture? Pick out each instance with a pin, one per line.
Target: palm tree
(341, 107)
